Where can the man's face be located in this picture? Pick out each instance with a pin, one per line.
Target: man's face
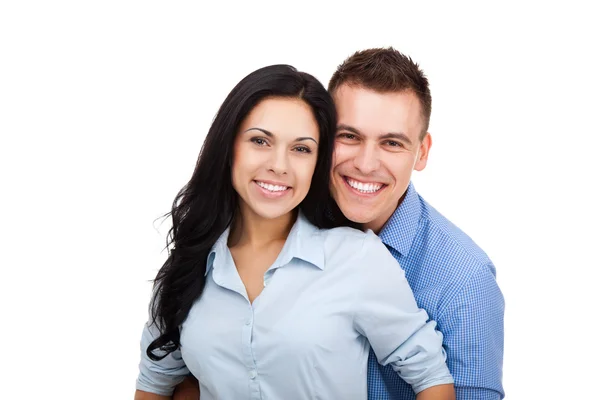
(377, 147)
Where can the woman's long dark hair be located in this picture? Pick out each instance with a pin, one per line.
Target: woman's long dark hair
(205, 207)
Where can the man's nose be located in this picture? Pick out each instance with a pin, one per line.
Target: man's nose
(367, 159)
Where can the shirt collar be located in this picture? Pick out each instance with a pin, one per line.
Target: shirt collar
(218, 252)
(303, 242)
(400, 230)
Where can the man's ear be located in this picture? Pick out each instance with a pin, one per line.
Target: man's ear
(423, 154)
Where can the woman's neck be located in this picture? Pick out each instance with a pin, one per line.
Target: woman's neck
(250, 229)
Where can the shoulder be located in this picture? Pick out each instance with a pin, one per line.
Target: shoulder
(445, 260)
(341, 243)
(349, 246)
(443, 242)
(346, 233)
(345, 238)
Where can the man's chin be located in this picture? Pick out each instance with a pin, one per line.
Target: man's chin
(358, 217)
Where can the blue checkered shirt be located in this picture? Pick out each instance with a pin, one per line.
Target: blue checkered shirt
(455, 281)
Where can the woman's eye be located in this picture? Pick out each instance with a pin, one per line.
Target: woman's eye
(302, 149)
(259, 141)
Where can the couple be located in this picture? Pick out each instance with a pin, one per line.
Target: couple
(270, 292)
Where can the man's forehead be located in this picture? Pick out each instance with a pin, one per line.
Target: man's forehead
(374, 114)
(374, 127)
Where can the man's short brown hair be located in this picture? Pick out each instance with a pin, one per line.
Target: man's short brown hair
(385, 70)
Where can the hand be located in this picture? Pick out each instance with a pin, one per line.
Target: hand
(187, 390)
(439, 392)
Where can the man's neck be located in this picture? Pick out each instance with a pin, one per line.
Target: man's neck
(378, 223)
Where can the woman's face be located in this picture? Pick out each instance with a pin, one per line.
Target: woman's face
(274, 156)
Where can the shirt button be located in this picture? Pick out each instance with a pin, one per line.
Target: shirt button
(248, 322)
(253, 374)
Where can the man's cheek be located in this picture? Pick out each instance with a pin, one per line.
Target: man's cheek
(335, 156)
(341, 154)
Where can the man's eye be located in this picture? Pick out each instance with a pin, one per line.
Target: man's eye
(393, 144)
(349, 136)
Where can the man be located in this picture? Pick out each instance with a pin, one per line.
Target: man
(384, 105)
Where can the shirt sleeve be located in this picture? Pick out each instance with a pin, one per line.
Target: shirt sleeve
(159, 377)
(388, 316)
(473, 326)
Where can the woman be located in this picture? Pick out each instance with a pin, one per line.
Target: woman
(255, 299)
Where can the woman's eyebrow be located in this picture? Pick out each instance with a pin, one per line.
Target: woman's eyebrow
(269, 134)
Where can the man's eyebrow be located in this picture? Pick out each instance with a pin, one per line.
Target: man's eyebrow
(390, 135)
(398, 136)
(342, 127)
(269, 134)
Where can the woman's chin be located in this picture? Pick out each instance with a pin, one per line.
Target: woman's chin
(272, 212)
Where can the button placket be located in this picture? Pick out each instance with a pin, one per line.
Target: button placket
(249, 355)
(247, 338)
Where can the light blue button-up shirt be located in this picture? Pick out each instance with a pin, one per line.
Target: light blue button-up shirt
(328, 295)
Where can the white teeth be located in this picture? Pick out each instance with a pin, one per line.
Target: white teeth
(271, 188)
(364, 187)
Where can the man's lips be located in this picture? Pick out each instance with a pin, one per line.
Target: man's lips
(363, 188)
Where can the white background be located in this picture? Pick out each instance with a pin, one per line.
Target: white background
(104, 107)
